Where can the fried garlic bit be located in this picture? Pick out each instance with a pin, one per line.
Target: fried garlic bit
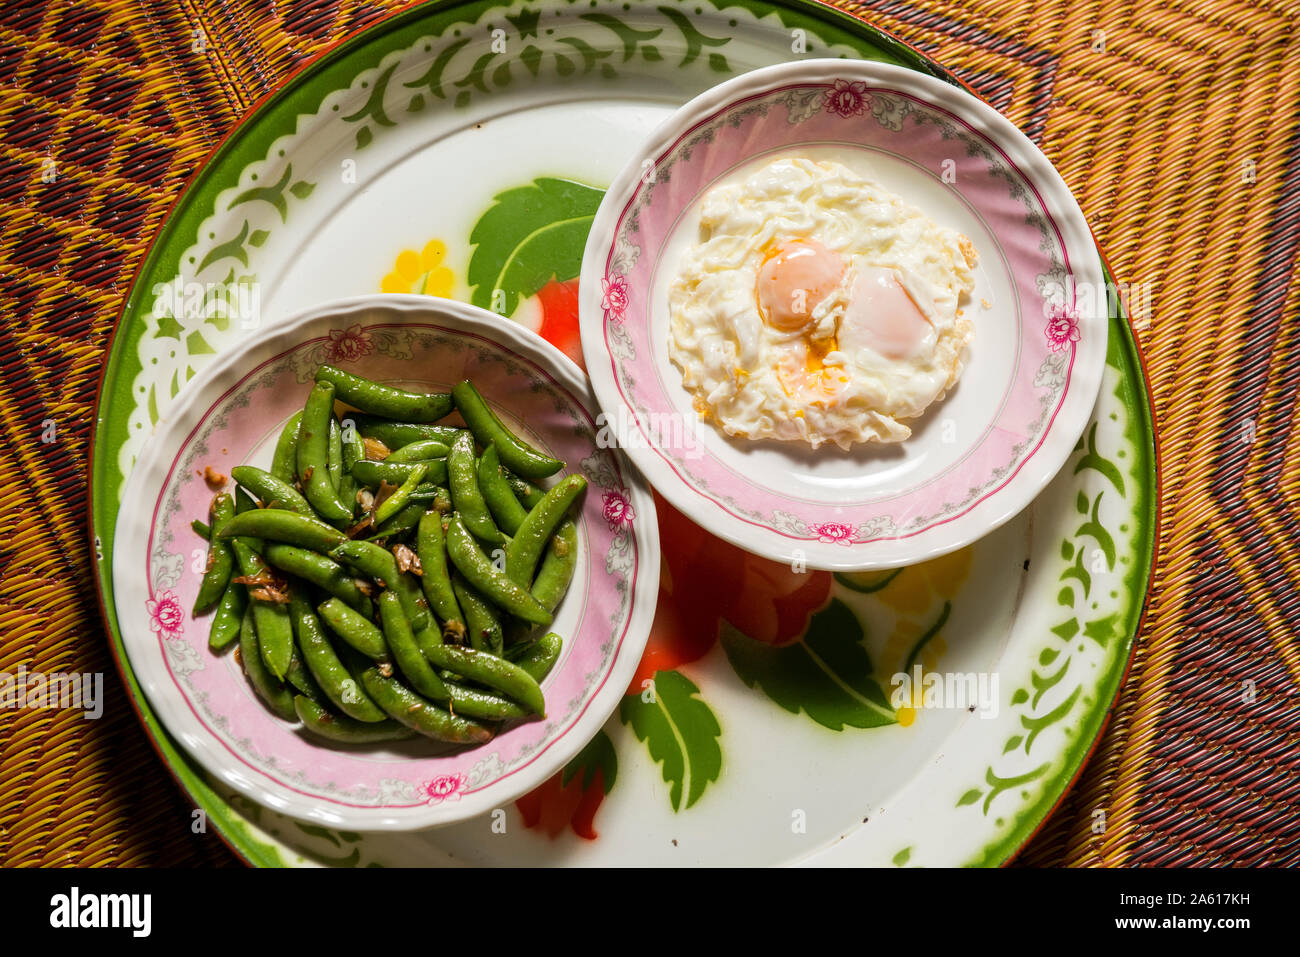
(269, 593)
(375, 449)
(407, 560)
(265, 586)
(386, 489)
(366, 521)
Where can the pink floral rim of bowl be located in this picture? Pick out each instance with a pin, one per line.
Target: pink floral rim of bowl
(231, 414)
(1032, 372)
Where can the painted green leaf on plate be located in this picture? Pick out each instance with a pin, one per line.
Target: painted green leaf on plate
(598, 755)
(531, 235)
(827, 674)
(681, 733)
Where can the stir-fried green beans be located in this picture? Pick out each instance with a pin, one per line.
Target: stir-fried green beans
(372, 573)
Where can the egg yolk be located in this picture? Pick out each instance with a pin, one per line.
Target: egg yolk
(804, 375)
(796, 275)
(882, 312)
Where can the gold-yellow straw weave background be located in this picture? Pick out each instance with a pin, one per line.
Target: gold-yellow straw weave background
(1175, 122)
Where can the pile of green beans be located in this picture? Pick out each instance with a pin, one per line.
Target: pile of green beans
(392, 575)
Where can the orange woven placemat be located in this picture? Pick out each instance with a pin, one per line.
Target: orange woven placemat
(1175, 122)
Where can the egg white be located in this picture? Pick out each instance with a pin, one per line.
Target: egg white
(732, 361)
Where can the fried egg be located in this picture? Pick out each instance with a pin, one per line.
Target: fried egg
(818, 307)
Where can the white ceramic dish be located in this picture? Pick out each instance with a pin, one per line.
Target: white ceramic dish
(1033, 369)
(231, 414)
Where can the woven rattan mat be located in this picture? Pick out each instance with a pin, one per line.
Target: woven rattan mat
(1175, 122)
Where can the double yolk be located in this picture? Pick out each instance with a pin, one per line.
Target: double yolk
(797, 275)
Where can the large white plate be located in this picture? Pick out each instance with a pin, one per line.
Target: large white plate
(941, 790)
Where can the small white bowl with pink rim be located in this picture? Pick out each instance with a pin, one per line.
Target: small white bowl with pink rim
(231, 414)
(1032, 371)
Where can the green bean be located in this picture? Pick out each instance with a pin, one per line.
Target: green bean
(397, 501)
(274, 635)
(201, 529)
(348, 496)
(525, 549)
(487, 580)
(267, 686)
(558, 566)
(420, 715)
(435, 580)
(429, 633)
(355, 629)
(407, 654)
(272, 492)
(284, 461)
(314, 453)
(216, 576)
(474, 703)
(334, 453)
(418, 452)
(539, 657)
(333, 677)
(374, 560)
(247, 559)
(429, 494)
(337, 727)
(395, 435)
(355, 663)
(370, 473)
(465, 495)
(493, 672)
(299, 677)
(379, 563)
(274, 630)
(243, 501)
(516, 454)
(500, 498)
(527, 493)
(353, 452)
(281, 525)
(481, 622)
(322, 572)
(225, 620)
(388, 401)
(517, 634)
(401, 523)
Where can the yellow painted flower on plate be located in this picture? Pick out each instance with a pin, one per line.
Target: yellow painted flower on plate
(921, 597)
(421, 272)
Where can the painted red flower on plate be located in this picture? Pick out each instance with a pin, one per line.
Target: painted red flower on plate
(705, 580)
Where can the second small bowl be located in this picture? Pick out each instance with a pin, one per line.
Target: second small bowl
(1039, 306)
